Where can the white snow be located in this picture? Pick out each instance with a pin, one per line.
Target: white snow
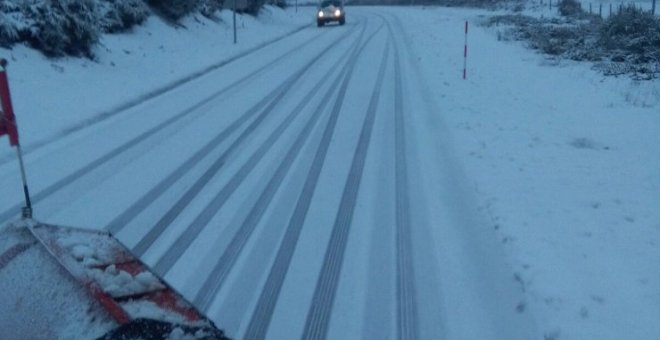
(84, 254)
(98, 265)
(119, 283)
(148, 309)
(564, 162)
(180, 334)
(560, 162)
(40, 300)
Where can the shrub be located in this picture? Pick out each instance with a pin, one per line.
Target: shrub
(64, 27)
(209, 7)
(632, 35)
(569, 8)
(628, 42)
(174, 9)
(122, 15)
(12, 21)
(491, 4)
(253, 7)
(8, 32)
(630, 26)
(278, 3)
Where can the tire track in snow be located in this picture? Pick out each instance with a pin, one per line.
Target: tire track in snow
(145, 201)
(159, 129)
(175, 210)
(184, 241)
(406, 300)
(216, 279)
(83, 171)
(318, 317)
(261, 317)
(148, 96)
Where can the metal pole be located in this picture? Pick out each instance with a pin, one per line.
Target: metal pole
(234, 22)
(465, 52)
(27, 210)
(7, 114)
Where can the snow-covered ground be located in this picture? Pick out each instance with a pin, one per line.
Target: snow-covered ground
(560, 162)
(54, 95)
(565, 163)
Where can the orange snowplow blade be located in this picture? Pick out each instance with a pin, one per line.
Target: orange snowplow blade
(139, 302)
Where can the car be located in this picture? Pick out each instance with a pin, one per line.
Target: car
(329, 11)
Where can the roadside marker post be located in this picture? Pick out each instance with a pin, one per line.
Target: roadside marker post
(8, 126)
(465, 52)
(234, 20)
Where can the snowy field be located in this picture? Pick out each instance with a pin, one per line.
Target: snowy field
(560, 163)
(564, 162)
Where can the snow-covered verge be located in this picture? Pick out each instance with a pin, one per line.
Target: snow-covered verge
(73, 27)
(565, 162)
(625, 43)
(55, 95)
(51, 96)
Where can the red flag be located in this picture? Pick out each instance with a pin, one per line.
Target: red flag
(7, 119)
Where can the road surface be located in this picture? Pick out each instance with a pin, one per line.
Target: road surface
(296, 192)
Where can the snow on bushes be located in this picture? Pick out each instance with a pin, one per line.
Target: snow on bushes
(12, 22)
(174, 9)
(632, 32)
(628, 42)
(570, 7)
(66, 27)
(209, 7)
(8, 32)
(63, 27)
(122, 15)
(73, 27)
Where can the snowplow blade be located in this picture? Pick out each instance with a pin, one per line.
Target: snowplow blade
(139, 304)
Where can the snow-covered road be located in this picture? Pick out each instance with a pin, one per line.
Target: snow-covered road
(346, 181)
(290, 193)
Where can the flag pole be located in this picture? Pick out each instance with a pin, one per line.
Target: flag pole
(9, 125)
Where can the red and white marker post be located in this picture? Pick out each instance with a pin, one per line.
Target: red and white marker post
(465, 52)
(8, 127)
